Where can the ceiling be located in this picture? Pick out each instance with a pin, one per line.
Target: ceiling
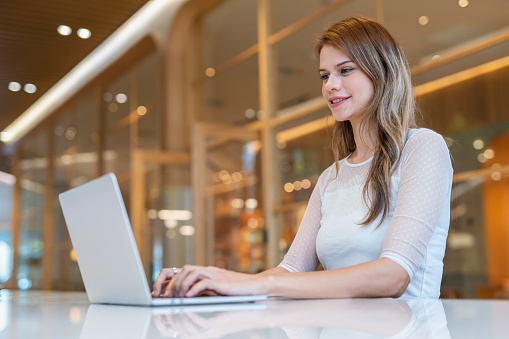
(33, 52)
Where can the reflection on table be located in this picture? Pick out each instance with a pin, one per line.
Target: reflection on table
(334, 318)
(70, 315)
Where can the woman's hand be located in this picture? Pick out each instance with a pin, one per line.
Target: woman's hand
(163, 280)
(192, 281)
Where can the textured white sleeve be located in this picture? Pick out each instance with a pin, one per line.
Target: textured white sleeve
(301, 256)
(424, 194)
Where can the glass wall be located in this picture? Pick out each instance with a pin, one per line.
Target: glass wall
(91, 135)
(121, 124)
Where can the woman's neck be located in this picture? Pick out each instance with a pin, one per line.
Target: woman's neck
(364, 145)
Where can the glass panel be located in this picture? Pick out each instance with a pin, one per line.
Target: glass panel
(479, 58)
(33, 167)
(116, 102)
(76, 162)
(233, 201)
(219, 45)
(116, 116)
(117, 152)
(476, 261)
(7, 182)
(465, 115)
(303, 155)
(442, 36)
(287, 13)
(148, 107)
(169, 216)
(226, 102)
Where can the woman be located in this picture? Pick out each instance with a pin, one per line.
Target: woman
(378, 217)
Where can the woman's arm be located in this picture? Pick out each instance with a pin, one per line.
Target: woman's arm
(378, 278)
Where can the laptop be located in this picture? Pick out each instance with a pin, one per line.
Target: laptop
(106, 250)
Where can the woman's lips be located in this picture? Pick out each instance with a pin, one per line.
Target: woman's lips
(336, 101)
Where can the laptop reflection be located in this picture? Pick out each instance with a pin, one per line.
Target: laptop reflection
(276, 318)
(131, 322)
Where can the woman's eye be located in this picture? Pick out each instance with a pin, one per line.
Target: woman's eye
(346, 70)
(324, 76)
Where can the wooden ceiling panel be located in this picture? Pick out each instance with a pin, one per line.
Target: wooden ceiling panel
(32, 51)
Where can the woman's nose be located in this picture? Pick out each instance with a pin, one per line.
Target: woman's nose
(332, 84)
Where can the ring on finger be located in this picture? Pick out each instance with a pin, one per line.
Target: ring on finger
(175, 270)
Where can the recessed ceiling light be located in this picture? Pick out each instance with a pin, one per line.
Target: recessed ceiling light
(14, 86)
(463, 3)
(84, 33)
(30, 88)
(64, 30)
(423, 20)
(5, 136)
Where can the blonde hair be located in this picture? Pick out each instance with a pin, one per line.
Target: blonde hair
(391, 112)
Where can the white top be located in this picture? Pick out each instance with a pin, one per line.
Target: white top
(414, 233)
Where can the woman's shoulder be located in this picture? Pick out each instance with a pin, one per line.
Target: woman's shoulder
(426, 144)
(330, 173)
(420, 137)
(423, 133)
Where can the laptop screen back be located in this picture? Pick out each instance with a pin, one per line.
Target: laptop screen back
(105, 248)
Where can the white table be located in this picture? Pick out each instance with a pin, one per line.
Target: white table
(37, 314)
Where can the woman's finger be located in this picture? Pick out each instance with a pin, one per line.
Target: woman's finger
(201, 286)
(184, 279)
(161, 283)
(174, 288)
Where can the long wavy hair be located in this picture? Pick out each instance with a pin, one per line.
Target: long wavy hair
(391, 112)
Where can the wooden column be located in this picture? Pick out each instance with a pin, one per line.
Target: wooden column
(204, 236)
(137, 202)
(48, 230)
(269, 155)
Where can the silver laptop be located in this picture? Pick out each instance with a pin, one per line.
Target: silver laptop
(106, 250)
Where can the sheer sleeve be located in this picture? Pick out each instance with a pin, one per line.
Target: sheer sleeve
(301, 256)
(423, 201)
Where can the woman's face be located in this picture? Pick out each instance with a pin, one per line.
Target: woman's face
(347, 89)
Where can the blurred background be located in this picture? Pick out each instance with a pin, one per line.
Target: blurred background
(210, 114)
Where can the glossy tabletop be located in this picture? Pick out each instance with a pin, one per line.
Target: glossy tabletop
(37, 314)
